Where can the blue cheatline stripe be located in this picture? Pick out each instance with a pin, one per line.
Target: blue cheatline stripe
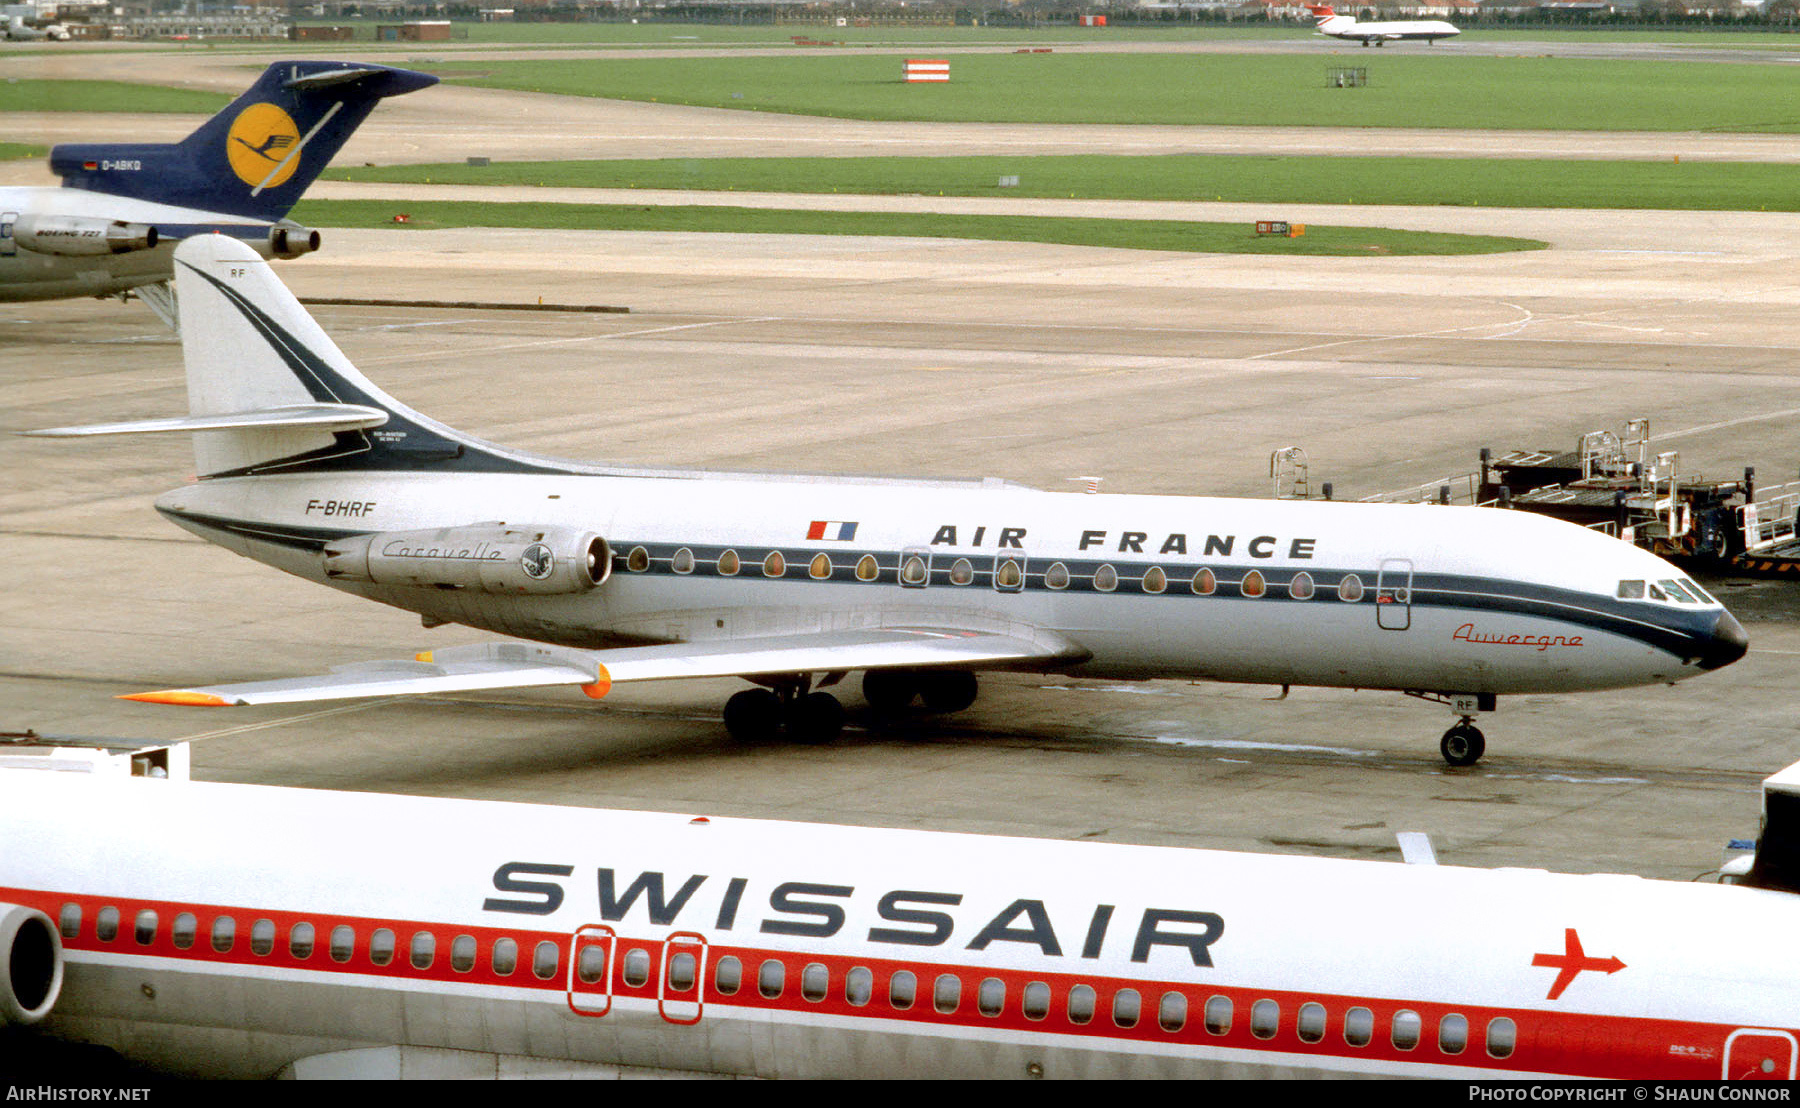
(1682, 634)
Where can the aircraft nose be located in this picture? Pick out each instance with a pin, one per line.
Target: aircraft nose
(1727, 645)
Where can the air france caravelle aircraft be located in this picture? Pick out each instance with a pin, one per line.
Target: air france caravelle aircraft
(245, 931)
(1346, 27)
(619, 574)
(113, 223)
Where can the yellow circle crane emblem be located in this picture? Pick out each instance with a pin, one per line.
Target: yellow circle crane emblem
(261, 145)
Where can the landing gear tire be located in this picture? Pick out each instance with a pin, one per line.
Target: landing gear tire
(815, 718)
(753, 715)
(950, 691)
(889, 691)
(1463, 745)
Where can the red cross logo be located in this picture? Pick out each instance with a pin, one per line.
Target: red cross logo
(1572, 961)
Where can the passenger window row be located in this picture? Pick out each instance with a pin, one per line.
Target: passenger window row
(901, 991)
(1080, 1005)
(380, 946)
(1009, 574)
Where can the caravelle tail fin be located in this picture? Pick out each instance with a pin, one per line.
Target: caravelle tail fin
(269, 392)
(254, 158)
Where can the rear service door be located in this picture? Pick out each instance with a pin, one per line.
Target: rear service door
(591, 957)
(1757, 1054)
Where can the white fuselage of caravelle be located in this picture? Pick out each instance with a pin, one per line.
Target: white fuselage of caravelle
(1280, 592)
(27, 274)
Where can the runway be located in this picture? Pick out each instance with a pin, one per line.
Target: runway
(1161, 373)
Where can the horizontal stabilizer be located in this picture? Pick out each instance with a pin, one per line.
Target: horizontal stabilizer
(307, 417)
(525, 665)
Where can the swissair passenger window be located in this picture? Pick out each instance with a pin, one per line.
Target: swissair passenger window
(947, 993)
(262, 936)
(1037, 1000)
(637, 967)
(1453, 1034)
(343, 943)
(145, 929)
(1311, 1022)
(381, 946)
(1171, 1014)
(505, 957)
(1127, 1006)
(106, 925)
(1406, 1029)
(224, 933)
(1502, 1036)
(1081, 1004)
(300, 940)
(859, 986)
(1218, 1015)
(1265, 1019)
(545, 957)
(728, 976)
(185, 929)
(462, 953)
(990, 996)
(1359, 1027)
(903, 990)
(70, 920)
(423, 950)
(814, 981)
(771, 978)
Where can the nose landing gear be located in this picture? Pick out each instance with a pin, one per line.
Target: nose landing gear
(1463, 745)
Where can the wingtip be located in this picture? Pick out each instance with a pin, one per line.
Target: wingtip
(185, 697)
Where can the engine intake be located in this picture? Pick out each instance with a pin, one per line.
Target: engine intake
(31, 965)
(492, 558)
(81, 236)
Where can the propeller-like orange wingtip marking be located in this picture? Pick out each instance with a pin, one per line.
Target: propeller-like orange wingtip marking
(602, 683)
(180, 696)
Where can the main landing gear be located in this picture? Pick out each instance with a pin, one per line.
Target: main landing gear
(787, 704)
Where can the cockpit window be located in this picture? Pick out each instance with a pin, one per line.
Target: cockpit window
(1705, 597)
(1658, 594)
(1674, 589)
(1631, 590)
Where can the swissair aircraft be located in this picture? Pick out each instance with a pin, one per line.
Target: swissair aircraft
(244, 931)
(1346, 27)
(113, 223)
(619, 574)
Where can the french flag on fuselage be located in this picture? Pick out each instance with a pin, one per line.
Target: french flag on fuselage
(831, 531)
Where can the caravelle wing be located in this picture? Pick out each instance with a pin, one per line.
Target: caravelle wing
(525, 665)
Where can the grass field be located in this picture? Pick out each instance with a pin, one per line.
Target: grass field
(649, 31)
(105, 96)
(1404, 90)
(1479, 182)
(1208, 238)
